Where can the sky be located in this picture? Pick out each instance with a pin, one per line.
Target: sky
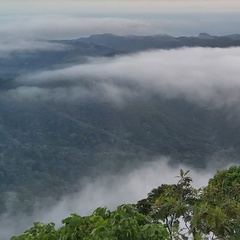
(25, 23)
(43, 19)
(107, 6)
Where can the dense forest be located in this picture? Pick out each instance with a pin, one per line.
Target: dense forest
(171, 211)
(47, 146)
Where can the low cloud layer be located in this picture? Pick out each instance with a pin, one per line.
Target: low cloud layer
(123, 188)
(26, 33)
(208, 76)
(66, 27)
(7, 48)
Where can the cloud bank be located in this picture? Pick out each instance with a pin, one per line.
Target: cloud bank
(28, 33)
(207, 76)
(52, 27)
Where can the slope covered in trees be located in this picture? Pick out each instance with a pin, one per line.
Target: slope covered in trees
(47, 147)
(176, 211)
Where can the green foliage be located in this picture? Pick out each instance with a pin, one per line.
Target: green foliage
(212, 212)
(39, 231)
(170, 204)
(226, 184)
(219, 211)
(125, 223)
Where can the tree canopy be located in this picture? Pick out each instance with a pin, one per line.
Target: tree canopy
(124, 223)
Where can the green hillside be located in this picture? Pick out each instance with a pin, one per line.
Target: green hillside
(46, 147)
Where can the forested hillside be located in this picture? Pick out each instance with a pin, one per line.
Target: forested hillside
(45, 146)
(51, 139)
(107, 104)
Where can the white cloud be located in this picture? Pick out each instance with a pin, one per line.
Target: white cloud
(113, 190)
(7, 48)
(204, 75)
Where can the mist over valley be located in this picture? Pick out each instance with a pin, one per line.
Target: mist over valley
(98, 110)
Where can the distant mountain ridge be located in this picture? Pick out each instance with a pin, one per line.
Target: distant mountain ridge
(105, 45)
(134, 43)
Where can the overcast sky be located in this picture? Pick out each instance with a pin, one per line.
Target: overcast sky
(98, 6)
(74, 18)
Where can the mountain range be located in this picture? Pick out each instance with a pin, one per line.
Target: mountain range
(108, 45)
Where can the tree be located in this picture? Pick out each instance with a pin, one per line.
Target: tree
(170, 205)
(212, 212)
(218, 212)
(124, 223)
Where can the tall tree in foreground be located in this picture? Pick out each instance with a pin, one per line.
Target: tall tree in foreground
(171, 205)
(218, 212)
(212, 212)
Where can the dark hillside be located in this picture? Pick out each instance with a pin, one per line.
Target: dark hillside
(140, 43)
(47, 147)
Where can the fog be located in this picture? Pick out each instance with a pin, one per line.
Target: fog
(27, 33)
(109, 190)
(207, 76)
(52, 27)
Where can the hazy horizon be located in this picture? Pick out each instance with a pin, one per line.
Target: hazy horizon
(74, 19)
